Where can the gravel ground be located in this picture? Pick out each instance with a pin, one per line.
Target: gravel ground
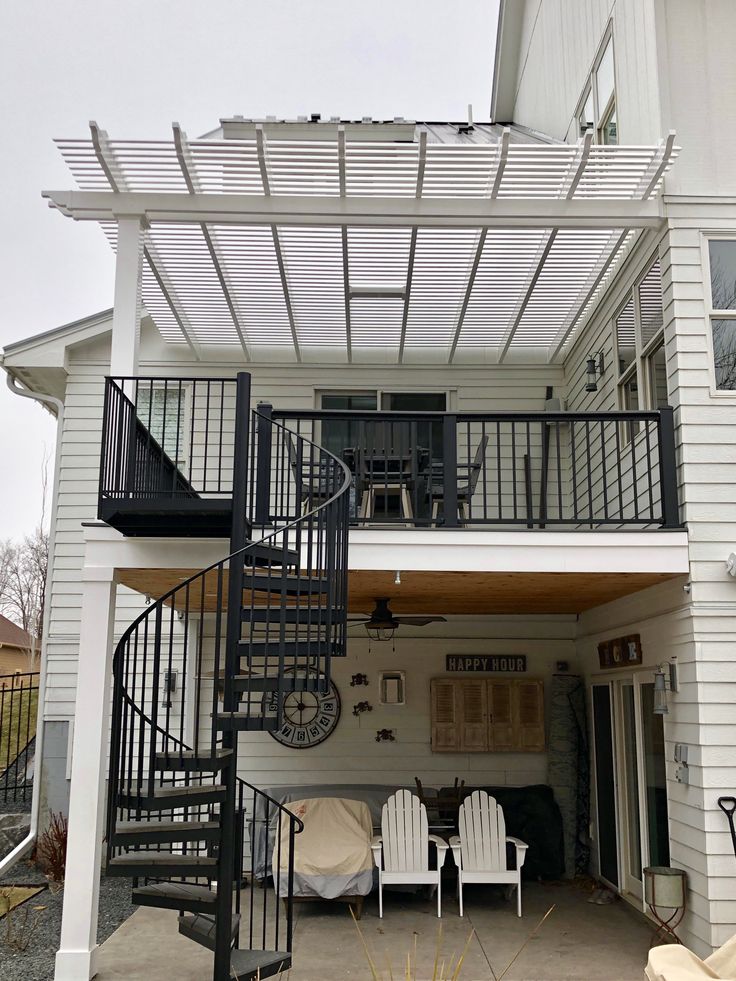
(37, 962)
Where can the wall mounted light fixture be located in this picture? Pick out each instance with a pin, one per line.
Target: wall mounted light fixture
(595, 367)
(665, 679)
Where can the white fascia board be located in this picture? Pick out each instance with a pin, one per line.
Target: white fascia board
(429, 550)
(49, 348)
(104, 547)
(506, 61)
(329, 210)
(467, 550)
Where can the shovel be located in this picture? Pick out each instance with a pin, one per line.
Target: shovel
(728, 806)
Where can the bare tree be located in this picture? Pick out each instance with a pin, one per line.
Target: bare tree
(23, 570)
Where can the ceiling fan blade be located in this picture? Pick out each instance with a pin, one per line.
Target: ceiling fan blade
(421, 621)
(358, 619)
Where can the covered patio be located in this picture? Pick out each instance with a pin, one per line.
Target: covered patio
(577, 940)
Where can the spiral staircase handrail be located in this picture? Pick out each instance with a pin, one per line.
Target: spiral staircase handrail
(122, 647)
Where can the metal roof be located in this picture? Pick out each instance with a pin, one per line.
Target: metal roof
(448, 246)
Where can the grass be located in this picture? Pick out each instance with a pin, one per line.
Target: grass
(18, 712)
(444, 968)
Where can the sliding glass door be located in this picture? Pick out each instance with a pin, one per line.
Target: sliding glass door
(631, 787)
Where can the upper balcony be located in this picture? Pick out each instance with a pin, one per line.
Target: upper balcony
(168, 455)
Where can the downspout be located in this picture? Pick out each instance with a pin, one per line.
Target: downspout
(24, 846)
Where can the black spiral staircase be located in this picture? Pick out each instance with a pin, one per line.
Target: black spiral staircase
(213, 657)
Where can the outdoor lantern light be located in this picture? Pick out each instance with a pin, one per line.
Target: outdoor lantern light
(660, 694)
(382, 632)
(594, 366)
(665, 679)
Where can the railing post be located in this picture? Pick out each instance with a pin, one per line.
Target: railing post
(263, 463)
(668, 469)
(238, 538)
(449, 470)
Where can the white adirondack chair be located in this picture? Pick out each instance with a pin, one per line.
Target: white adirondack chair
(479, 849)
(401, 851)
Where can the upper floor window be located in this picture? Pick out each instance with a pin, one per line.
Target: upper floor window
(639, 345)
(161, 407)
(722, 262)
(597, 105)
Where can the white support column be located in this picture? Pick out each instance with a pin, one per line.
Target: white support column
(126, 316)
(75, 960)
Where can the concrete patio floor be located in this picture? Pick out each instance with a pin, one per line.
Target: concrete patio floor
(579, 940)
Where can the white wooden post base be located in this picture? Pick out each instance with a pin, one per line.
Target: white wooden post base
(75, 960)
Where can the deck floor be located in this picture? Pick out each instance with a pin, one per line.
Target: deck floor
(578, 940)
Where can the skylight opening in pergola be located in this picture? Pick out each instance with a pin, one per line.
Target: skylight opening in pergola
(360, 250)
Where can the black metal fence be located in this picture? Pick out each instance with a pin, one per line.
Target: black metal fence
(18, 715)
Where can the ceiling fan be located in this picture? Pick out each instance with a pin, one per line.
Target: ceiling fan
(381, 623)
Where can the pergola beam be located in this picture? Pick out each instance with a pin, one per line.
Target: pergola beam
(169, 295)
(106, 160)
(485, 212)
(421, 166)
(498, 177)
(569, 188)
(342, 176)
(266, 180)
(615, 242)
(182, 155)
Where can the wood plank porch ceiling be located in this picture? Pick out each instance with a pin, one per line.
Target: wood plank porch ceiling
(372, 282)
(446, 593)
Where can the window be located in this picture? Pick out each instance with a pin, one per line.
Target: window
(597, 105)
(161, 408)
(722, 262)
(639, 344)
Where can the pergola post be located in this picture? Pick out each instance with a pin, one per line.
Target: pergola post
(126, 316)
(75, 959)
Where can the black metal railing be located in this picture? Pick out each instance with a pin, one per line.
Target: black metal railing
(533, 469)
(172, 441)
(167, 438)
(217, 653)
(18, 715)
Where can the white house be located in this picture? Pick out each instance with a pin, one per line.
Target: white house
(484, 371)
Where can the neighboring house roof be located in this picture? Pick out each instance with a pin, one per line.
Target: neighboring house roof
(11, 635)
(69, 332)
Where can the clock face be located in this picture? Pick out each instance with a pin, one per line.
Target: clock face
(308, 717)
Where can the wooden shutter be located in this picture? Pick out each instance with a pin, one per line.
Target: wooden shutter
(474, 716)
(500, 716)
(445, 729)
(530, 716)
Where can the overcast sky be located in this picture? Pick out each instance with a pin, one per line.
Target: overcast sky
(137, 65)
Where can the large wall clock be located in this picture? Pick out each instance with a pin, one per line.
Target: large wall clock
(308, 717)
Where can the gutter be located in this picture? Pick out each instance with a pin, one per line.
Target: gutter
(52, 403)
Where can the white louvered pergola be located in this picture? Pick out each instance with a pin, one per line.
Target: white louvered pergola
(352, 249)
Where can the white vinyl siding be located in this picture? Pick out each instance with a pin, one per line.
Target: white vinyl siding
(558, 47)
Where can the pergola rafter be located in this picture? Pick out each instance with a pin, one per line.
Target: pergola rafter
(106, 159)
(183, 156)
(421, 166)
(265, 178)
(351, 249)
(545, 248)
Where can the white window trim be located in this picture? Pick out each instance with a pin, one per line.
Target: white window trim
(600, 114)
(720, 394)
